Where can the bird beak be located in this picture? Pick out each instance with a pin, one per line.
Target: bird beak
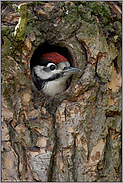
(68, 71)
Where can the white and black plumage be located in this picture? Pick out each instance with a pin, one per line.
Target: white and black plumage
(51, 76)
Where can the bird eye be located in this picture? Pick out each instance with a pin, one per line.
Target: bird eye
(52, 67)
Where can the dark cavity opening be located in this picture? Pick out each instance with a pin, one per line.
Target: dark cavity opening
(47, 48)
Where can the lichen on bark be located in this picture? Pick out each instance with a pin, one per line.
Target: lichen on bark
(76, 135)
(20, 27)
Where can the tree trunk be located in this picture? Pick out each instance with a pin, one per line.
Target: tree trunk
(76, 135)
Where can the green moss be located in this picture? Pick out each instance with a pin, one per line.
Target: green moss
(33, 137)
(119, 59)
(118, 31)
(8, 4)
(35, 3)
(19, 33)
(6, 96)
(61, 4)
(120, 2)
(84, 2)
(9, 89)
(93, 9)
(7, 48)
(86, 16)
(101, 9)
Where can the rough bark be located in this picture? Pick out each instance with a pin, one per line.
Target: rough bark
(76, 135)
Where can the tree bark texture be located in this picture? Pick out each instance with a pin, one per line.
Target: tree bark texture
(76, 135)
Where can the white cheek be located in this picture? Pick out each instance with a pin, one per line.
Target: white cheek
(43, 74)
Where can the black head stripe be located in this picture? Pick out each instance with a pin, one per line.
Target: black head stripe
(53, 77)
(39, 83)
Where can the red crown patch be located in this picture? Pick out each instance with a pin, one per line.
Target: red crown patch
(53, 57)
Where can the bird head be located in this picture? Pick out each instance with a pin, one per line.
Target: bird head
(52, 74)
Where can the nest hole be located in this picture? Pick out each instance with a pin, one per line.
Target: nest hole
(47, 48)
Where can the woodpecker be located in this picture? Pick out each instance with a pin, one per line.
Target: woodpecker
(52, 74)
